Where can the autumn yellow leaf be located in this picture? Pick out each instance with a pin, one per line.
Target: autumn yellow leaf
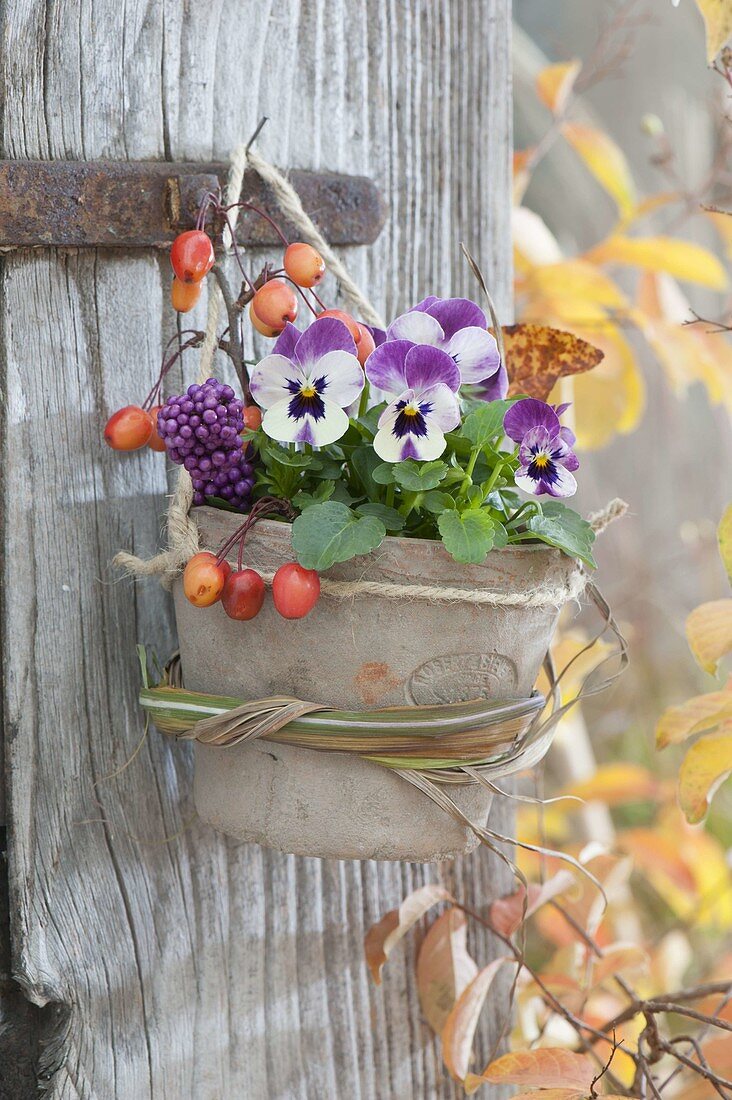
(444, 967)
(605, 161)
(506, 914)
(533, 242)
(554, 84)
(382, 938)
(709, 633)
(697, 715)
(547, 1067)
(459, 1030)
(717, 16)
(682, 259)
(610, 400)
(574, 285)
(705, 766)
(724, 537)
(537, 357)
(616, 784)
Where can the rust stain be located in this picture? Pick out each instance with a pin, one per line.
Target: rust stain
(375, 680)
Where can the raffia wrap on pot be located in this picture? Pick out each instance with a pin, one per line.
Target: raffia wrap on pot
(405, 626)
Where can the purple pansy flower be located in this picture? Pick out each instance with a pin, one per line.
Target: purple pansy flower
(545, 448)
(423, 382)
(307, 382)
(459, 328)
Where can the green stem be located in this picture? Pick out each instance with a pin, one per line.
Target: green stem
(517, 514)
(364, 402)
(390, 495)
(497, 469)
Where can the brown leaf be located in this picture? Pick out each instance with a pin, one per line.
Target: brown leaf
(507, 913)
(383, 937)
(546, 1067)
(459, 1029)
(444, 967)
(537, 357)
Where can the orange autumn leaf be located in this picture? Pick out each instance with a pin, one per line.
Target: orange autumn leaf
(709, 633)
(562, 1094)
(459, 1030)
(616, 784)
(619, 958)
(506, 914)
(537, 357)
(547, 1067)
(705, 766)
(554, 84)
(657, 855)
(444, 967)
(382, 937)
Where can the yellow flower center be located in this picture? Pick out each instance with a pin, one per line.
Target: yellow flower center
(308, 390)
(541, 461)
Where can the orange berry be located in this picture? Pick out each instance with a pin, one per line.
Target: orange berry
(204, 579)
(303, 264)
(265, 330)
(128, 429)
(192, 255)
(275, 304)
(252, 417)
(365, 345)
(155, 442)
(352, 326)
(184, 295)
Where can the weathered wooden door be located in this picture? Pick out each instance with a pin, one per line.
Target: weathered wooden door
(171, 962)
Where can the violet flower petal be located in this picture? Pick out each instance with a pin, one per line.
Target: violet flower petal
(385, 367)
(457, 313)
(527, 414)
(324, 335)
(427, 366)
(476, 353)
(418, 328)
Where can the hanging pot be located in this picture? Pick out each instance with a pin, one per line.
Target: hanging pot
(362, 652)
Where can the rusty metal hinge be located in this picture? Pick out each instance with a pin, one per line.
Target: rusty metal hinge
(120, 204)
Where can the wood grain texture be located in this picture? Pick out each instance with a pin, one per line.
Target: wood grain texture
(196, 968)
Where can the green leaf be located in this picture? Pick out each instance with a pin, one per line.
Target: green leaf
(486, 422)
(363, 462)
(331, 532)
(468, 536)
(436, 502)
(418, 477)
(392, 520)
(323, 491)
(500, 535)
(560, 526)
(370, 419)
(323, 466)
(383, 474)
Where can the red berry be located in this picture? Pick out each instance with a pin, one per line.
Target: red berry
(348, 321)
(252, 417)
(275, 304)
(295, 590)
(192, 255)
(265, 330)
(155, 442)
(243, 594)
(303, 264)
(184, 296)
(128, 429)
(365, 345)
(204, 579)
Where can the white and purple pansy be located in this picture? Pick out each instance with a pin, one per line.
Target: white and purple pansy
(545, 448)
(307, 382)
(459, 328)
(422, 382)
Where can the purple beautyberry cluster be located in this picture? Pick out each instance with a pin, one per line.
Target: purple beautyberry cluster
(202, 432)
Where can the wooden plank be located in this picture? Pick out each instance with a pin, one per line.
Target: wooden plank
(192, 966)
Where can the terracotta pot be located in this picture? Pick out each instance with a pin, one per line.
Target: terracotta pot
(360, 653)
